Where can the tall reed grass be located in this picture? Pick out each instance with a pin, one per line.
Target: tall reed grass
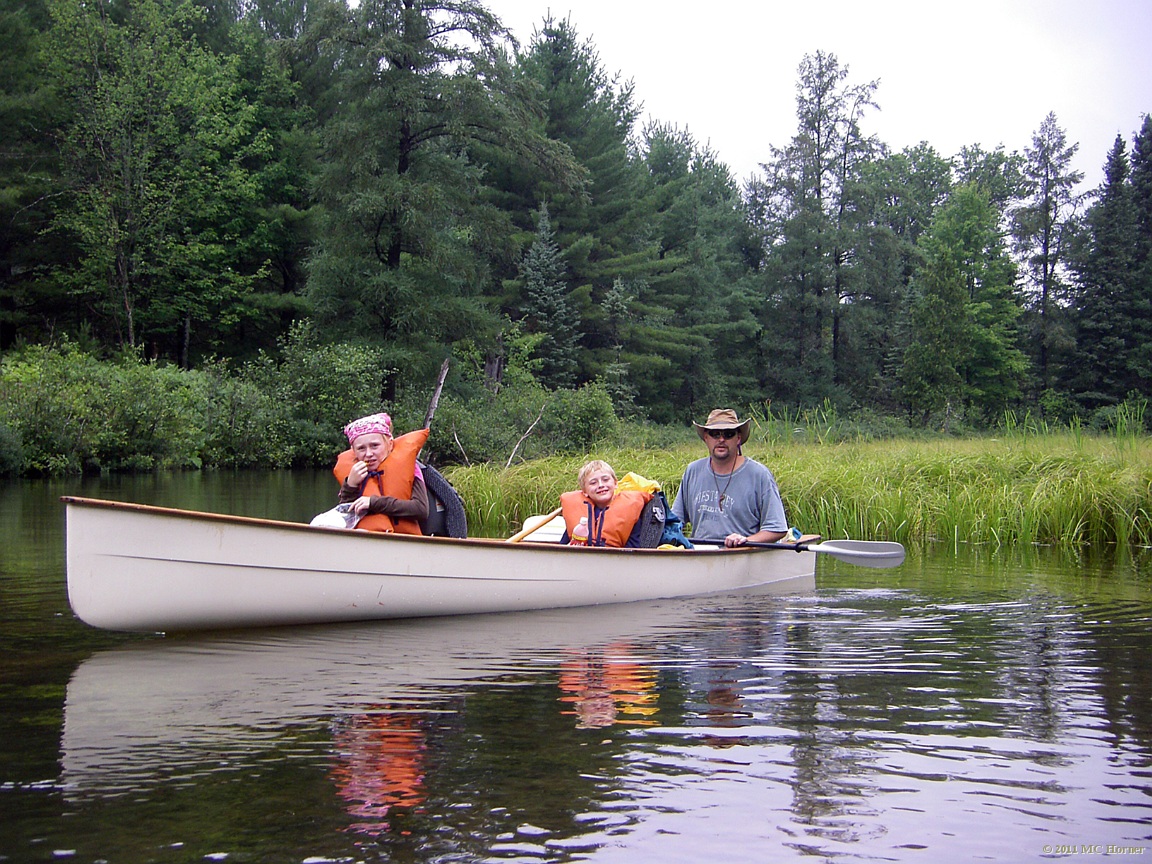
(1063, 488)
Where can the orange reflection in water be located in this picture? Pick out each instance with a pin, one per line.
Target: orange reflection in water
(381, 766)
(380, 755)
(609, 687)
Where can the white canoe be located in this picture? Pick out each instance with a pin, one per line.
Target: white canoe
(143, 568)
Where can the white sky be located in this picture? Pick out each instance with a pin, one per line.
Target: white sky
(950, 73)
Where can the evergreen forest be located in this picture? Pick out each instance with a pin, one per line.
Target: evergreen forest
(227, 228)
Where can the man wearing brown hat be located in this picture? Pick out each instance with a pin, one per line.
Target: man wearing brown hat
(728, 496)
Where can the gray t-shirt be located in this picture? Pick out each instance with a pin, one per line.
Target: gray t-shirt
(751, 501)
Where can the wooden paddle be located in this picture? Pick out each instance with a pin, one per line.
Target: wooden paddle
(865, 553)
(520, 535)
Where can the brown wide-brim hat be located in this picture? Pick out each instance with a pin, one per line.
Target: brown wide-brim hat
(724, 418)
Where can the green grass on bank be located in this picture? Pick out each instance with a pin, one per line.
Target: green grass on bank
(1064, 489)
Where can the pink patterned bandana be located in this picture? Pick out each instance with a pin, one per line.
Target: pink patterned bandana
(379, 423)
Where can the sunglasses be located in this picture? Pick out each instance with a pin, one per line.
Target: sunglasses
(723, 433)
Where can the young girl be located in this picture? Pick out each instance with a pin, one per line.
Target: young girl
(613, 516)
(379, 476)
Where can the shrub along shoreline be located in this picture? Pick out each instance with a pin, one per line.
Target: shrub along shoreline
(64, 411)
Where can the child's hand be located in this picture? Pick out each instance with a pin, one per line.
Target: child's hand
(358, 474)
(360, 505)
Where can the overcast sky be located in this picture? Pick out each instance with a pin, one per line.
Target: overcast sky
(950, 73)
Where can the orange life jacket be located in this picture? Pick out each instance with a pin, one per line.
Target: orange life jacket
(398, 474)
(615, 523)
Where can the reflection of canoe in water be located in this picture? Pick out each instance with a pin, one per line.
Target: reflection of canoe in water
(142, 712)
(136, 567)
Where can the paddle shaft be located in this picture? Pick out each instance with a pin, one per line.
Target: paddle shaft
(520, 535)
(796, 547)
(865, 553)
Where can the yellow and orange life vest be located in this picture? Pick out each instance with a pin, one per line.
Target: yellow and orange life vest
(398, 473)
(615, 523)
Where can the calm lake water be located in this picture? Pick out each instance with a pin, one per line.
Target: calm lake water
(967, 706)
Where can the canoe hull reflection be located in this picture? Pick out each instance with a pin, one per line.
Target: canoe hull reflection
(147, 710)
(141, 568)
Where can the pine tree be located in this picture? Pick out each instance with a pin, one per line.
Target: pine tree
(27, 168)
(593, 115)
(602, 227)
(547, 311)
(806, 211)
(900, 195)
(1106, 309)
(1142, 190)
(698, 321)
(930, 371)
(995, 365)
(964, 352)
(407, 250)
(1142, 292)
(1043, 227)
